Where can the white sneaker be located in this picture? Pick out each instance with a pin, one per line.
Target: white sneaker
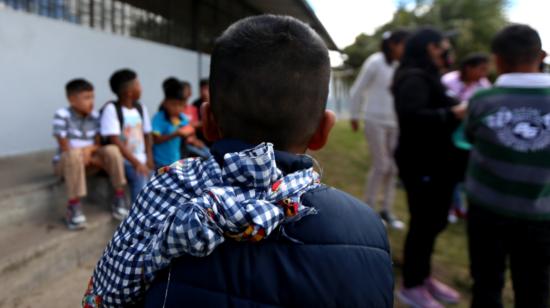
(74, 217)
(391, 221)
(452, 218)
(119, 209)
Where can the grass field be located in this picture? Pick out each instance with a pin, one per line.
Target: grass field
(345, 163)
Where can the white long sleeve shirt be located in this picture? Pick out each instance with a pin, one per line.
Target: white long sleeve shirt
(372, 87)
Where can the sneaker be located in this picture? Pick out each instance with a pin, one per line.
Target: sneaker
(74, 218)
(391, 221)
(418, 297)
(452, 218)
(442, 291)
(119, 208)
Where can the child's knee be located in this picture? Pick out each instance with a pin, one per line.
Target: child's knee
(387, 167)
(111, 152)
(72, 157)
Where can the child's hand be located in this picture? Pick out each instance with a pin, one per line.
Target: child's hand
(460, 110)
(150, 164)
(186, 131)
(142, 169)
(88, 153)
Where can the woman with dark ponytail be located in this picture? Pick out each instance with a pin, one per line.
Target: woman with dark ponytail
(427, 161)
(373, 84)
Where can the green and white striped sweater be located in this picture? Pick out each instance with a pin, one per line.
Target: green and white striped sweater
(509, 168)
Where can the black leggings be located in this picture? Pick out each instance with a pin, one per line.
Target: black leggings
(429, 199)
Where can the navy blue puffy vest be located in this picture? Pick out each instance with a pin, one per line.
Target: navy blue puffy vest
(337, 258)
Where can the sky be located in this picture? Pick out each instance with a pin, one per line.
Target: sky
(345, 19)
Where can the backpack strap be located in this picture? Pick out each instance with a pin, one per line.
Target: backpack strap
(120, 116)
(139, 108)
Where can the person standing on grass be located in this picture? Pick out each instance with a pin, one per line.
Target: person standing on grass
(373, 84)
(427, 161)
(463, 84)
(469, 78)
(508, 180)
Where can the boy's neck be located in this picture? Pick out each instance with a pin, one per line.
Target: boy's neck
(522, 69)
(126, 102)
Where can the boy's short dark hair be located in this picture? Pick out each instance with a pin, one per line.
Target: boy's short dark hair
(121, 79)
(517, 45)
(204, 82)
(173, 88)
(269, 79)
(474, 59)
(78, 85)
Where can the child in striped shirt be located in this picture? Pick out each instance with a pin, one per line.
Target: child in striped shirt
(508, 181)
(76, 129)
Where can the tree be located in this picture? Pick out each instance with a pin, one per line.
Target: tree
(475, 22)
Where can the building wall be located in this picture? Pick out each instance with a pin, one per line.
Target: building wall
(39, 55)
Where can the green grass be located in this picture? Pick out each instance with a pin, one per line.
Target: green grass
(345, 162)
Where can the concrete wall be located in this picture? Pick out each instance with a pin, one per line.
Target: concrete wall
(39, 55)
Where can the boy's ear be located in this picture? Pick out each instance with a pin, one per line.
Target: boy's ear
(71, 99)
(210, 127)
(543, 55)
(320, 137)
(500, 64)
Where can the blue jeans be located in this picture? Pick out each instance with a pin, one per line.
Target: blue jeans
(135, 180)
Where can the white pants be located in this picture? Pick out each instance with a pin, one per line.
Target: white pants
(382, 141)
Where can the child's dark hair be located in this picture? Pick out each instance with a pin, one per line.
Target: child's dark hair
(173, 88)
(204, 82)
(78, 85)
(472, 60)
(416, 50)
(392, 37)
(121, 79)
(269, 79)
(517, 45)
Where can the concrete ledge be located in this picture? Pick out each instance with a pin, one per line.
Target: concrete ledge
(34, 253)
(36, 248)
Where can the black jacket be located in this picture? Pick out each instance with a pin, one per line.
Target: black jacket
(426, 124)
(337, 258)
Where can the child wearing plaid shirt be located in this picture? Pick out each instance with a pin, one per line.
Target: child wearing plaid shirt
(263, 111)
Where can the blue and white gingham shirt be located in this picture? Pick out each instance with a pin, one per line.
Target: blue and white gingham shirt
(190, 208)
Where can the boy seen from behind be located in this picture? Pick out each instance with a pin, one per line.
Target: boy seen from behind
(125, 123)
(508, 181)
(76, 129)
(288, 240)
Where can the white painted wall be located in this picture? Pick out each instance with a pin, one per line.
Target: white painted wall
(39, 55)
